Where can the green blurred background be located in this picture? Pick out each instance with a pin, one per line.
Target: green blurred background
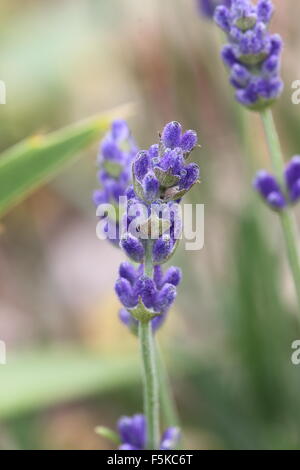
(70, 364)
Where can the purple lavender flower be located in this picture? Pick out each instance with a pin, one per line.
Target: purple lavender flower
(268, 187)
(207, 7)
(160, 222)
(162, 172)
(133, 434)
(115, 156)
(253, 54)
(156, 295)
(292, 178)
(271, 191)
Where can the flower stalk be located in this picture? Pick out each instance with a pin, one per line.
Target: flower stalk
(287, 218)
(151, 398)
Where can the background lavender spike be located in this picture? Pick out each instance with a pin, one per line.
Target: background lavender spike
(253, 54)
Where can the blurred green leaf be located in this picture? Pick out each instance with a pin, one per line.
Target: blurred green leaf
(34, 380)
(33, 162)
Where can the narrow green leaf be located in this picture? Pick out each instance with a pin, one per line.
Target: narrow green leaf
(108, 434)
(33, 162)
(33, 380)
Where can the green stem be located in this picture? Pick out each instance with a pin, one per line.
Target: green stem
(290, 233)
(151, 402)
(273, 143)
(151, 399)
(168, 406)
(287, 218)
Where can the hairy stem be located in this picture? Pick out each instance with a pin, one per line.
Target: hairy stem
(287, 218)
(151, 399)
(151, 402)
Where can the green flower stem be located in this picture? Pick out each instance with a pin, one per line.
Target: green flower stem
(151, 399)
(286, 216)
(273, 144)
(169, 410)
(291, 240)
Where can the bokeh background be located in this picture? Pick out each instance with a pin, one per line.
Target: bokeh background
(71, 364)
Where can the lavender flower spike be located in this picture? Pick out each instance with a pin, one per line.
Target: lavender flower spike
(138, 292)
(252, 53)
(162, 171)
(133, 434)
(115, 156)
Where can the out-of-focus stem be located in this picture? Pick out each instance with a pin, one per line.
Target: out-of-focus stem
(287, 218)
(168, 406)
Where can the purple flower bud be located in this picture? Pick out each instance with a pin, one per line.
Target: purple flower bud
(222, 18)
(153, 151)
(165, 298)
(240, 76)
(150, 187)
(158, 276)
(146, 289)
(110, 151)
(207, 7)
(130, 194)
(228, 55)
(127, 271)
(141, 165)
(133, 434)
(269, 189)
(132, 431)
(292, 178)
(170, 438)
(171, 135)
(188, 141)
(162, 249)
(190, 176)
(120, 130)
(125, 293)
(133, 247)
(265, 10)
(173, 276)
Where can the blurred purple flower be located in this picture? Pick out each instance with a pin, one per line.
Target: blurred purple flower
(271, 191)
(252, 54)
(133, 434)
(207, 7)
